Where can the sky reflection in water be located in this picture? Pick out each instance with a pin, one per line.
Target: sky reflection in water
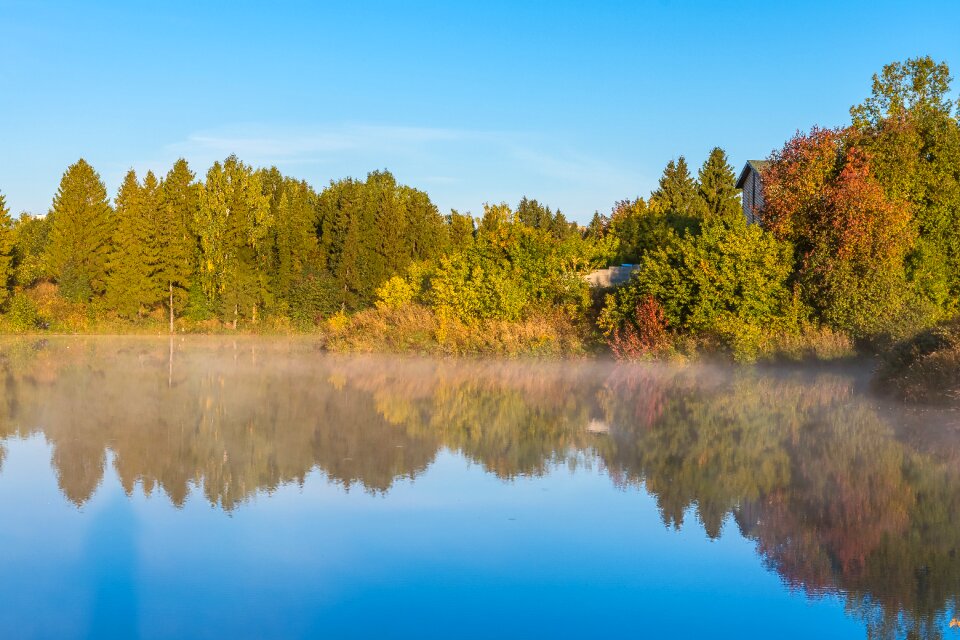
(250, 488)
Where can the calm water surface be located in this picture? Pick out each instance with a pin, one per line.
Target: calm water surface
(253, 488)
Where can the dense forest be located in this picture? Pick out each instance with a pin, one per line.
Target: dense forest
(858, 245)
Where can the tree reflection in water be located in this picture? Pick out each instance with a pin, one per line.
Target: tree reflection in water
(842, 494)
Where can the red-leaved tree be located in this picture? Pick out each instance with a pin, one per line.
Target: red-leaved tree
(850, 238)
(643, 335)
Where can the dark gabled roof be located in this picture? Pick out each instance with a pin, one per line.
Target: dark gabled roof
(752, 165)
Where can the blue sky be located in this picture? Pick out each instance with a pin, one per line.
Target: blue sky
(577, 104)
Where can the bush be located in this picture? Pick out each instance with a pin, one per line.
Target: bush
(471, 286)
(198, 308)
(313, 296)
(726, 285)
(925, 368)
(395, 293)
(56, 312)
(22, 315)
(643, 335)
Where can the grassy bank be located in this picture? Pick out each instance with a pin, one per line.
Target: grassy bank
(415, 328)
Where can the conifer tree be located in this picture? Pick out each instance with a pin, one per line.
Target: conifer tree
(428, 236)
(560, 227)
(295, 235)
(233, 222)
(461, 230)
(131, 288)
(80, 233)
(533, 214)
(272, 182)
(6, 250)
(677, 191)
(176, 243)
(388, 233)
(598, 226)
(718, 187)
(341, 254)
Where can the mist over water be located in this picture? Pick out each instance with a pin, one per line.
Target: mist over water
(217, 487)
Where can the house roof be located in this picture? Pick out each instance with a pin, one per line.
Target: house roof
(752, 165)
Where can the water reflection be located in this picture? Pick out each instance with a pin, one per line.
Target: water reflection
(841, 493)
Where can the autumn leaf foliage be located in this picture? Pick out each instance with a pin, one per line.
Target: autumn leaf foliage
(850, 237)
(643, 335)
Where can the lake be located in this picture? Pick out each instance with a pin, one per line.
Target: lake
(259, 488)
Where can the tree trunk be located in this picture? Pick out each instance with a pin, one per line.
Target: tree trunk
(236, 314)
(171, 307)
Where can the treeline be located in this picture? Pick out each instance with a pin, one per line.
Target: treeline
(246, 246)
(858, 244)
(237, 245)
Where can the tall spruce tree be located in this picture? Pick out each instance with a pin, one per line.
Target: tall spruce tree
(131, 288)
(176, 243)
(80, 233)
(718, 187)
(233, 223)
(295, 236)
(6, 250)
(677, 192)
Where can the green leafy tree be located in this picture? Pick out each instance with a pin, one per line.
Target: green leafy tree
(903, 88)
(7, 243)
(511, 269)
(639, 229)
(462, 229)
(80, 233)
(909, 127)
(31, 238)
(475, 286)
(718, 186)
(233, 223)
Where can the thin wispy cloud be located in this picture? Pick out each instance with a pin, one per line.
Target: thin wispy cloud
(461, 168)
(308, 143)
